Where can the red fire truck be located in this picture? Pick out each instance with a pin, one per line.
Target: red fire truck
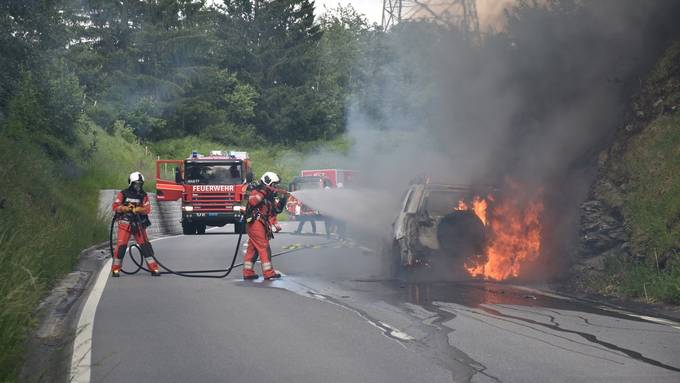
(210, 187)
(315, 179)
(337, 177)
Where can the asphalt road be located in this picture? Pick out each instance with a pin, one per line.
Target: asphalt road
(335, 317)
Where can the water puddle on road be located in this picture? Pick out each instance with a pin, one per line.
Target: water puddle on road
(441, 314)
(531, 309)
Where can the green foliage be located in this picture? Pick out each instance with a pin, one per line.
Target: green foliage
(245, 73)
(651, 208)
(652, 204)
(665, 78)
(111, 158)
(646, 281)
(43, 228)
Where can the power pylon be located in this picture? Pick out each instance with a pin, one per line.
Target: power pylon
(391, 14)
(459, 13)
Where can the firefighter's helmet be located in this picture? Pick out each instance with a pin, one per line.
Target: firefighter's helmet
(135, 177)
(270, 178)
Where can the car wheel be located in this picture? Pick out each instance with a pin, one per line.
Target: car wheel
(200, 229)
(240, 228)
(188, 228)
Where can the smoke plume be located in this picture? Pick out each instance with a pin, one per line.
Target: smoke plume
(534, 102)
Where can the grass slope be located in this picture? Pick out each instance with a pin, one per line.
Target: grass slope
(652, 213)
(650, 166)
(48, 216)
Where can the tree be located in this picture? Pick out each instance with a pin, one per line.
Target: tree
(272, 45)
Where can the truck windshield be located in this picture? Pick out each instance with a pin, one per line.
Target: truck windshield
(441, 202)
(214, 173)
(310, 183)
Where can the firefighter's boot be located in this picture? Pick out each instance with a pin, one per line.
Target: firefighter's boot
(147, 250)
(153, 267)
(115, 271)
(271, 274)
(249, 274)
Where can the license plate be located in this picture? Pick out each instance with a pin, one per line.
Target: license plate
(213, 214)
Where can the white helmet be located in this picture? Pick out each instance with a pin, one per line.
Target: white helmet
(135, 177)
(269, 178)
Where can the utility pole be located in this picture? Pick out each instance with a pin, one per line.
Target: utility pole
(456, 13)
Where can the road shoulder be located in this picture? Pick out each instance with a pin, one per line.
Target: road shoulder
(49, 346)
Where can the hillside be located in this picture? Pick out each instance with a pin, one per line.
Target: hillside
(630, 231)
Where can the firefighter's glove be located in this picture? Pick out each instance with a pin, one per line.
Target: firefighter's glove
(277, 228)
(139, 210)
(124, 209)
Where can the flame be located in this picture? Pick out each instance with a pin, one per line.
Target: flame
(461, 205)
(479, 207)
(514, 228)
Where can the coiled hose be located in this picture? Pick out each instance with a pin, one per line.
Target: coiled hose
(185, 273)
(167, 270)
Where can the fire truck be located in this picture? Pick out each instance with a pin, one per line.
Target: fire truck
(315, 179)
(336, 177)
(210, 187)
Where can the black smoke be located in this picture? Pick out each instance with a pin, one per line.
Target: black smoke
(534, 102)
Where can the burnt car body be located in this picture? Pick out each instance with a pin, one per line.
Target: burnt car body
(431, 230)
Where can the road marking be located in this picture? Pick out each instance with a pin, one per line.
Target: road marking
(395, 332)
(81, 358)
(386, 330)
(660, 321)
(82, 344)
(665, 322)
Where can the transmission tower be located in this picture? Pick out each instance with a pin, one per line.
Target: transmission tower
(459, 13)
(391, 14)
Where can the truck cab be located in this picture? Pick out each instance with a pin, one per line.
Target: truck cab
(210, 188)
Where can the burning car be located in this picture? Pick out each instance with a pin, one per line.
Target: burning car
(486, 232)
(437, 225)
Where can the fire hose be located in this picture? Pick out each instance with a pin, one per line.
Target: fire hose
(181, 273)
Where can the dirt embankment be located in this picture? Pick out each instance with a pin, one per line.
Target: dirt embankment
(630, 224)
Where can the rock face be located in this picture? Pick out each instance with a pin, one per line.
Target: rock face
(603, 235)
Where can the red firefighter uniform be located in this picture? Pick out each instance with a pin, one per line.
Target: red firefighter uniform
(263, 212)
(132, 207)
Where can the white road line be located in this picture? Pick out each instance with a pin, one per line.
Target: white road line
(661, 321)
(81, 358)
(82, 344)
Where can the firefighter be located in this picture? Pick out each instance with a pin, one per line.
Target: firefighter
(263, 206)
(132, 208)
(304, 218)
